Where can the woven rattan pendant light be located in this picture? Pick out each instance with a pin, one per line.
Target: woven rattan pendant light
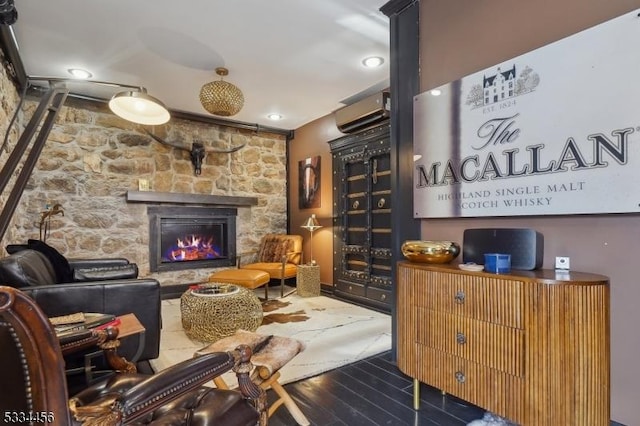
(220, 97)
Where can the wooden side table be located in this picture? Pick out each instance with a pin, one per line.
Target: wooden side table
(98, 363)
(129, 326)
(308, 280)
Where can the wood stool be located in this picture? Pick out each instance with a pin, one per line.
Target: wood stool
(247, 278)
(270, 353)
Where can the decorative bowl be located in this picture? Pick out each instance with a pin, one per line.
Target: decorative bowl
(430, 251)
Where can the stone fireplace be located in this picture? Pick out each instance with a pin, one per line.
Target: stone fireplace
(185, 237)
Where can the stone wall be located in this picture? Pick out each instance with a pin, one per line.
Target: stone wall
(92, 158)
(9, 99)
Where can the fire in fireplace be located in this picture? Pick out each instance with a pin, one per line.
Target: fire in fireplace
(191, 237)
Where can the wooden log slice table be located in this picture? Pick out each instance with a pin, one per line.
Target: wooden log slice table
(212, 311)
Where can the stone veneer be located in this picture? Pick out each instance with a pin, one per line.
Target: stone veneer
(9, 99)
(92, 158)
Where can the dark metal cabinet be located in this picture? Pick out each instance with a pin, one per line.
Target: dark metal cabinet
(362, 217)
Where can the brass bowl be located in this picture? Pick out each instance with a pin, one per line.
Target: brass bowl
(430, 251)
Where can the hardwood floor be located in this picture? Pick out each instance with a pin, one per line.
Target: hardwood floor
(371, 392)
(368, 393)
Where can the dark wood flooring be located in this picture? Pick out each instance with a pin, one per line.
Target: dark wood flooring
(373, 392)
(368, 393)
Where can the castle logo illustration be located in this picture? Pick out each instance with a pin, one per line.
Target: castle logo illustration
(502, 86)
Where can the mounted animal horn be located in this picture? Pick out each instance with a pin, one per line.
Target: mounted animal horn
(196, 151)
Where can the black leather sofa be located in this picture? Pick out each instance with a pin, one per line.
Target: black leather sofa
(96, 285)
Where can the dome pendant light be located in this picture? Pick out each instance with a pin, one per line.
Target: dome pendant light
(220, 97)
(139, 107)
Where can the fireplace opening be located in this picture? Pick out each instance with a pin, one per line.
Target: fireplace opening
(191, 237)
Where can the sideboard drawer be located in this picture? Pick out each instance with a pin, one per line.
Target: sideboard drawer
(473, 382)
(496, 346)
(497, 300)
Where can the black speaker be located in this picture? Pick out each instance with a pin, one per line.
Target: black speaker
(524, 245)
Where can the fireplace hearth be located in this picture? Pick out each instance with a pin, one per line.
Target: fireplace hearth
(191, 238)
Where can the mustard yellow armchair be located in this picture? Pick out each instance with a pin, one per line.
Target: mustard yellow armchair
(279, 255)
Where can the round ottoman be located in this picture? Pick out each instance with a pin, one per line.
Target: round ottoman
(215, 310)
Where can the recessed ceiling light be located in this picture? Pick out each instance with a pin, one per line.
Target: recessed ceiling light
(436, 92)
(80, 73)
(373, 61)
(274, 116)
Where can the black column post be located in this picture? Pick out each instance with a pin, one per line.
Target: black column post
(405, 62)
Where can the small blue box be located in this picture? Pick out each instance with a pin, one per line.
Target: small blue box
(497, 263)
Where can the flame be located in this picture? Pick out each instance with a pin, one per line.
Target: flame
(193, 247)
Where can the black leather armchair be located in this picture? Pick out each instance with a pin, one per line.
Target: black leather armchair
(109, 286)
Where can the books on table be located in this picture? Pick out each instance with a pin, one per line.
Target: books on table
(79, 321)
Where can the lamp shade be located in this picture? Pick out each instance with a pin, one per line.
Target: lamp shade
(220, 97)
(139, 107)
(311, 224)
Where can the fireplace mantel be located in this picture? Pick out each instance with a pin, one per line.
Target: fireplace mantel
(184, 198)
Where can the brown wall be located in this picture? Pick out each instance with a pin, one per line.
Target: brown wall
(311, 140)
(459, 38)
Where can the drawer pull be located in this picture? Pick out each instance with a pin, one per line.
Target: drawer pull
(381, 202)
(461, 339)
(383, 297)
(356, 204)
(460, 377)
(459, 297)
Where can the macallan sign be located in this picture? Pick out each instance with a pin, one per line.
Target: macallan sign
(554, 131)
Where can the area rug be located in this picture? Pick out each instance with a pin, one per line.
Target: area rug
(334, 333)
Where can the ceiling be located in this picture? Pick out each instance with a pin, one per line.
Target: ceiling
(301, 59)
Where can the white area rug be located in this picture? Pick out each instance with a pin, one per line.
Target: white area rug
(336, 334)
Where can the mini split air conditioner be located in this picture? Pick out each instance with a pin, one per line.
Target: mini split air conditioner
(363, 114)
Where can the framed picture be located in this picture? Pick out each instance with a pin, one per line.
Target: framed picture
(309, 183)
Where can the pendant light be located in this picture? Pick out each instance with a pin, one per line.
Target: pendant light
(220, 97)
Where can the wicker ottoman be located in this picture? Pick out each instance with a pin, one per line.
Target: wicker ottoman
(247, 278)
(216, 310)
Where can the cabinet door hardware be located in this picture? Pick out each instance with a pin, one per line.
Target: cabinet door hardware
(374, 173)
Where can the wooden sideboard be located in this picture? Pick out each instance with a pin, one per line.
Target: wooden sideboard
(531, 346)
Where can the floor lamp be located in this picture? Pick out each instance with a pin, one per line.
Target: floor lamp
(311, 225)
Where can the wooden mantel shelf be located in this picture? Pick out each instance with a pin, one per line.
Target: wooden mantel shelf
(184, 198)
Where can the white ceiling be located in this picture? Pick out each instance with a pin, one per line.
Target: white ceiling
(299, 58)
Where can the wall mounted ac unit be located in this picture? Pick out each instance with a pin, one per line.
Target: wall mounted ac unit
(363, 114)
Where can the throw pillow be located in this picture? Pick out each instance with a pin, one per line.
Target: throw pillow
(59, 262)
(274, 248)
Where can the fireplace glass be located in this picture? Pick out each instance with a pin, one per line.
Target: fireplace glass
(186, 238)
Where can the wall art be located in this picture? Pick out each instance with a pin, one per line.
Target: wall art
(309, 183)
(554, 131)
